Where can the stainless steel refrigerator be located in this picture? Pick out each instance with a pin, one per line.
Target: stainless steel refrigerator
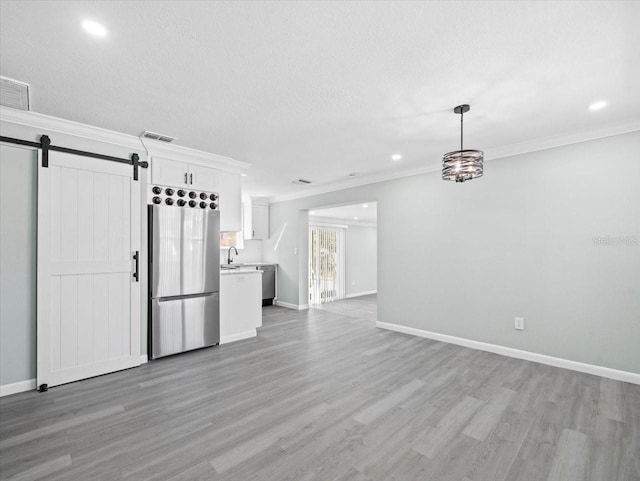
(184, 279)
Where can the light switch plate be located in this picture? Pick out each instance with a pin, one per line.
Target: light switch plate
(519, 323)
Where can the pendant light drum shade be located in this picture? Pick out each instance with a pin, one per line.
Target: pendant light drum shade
(461, 165)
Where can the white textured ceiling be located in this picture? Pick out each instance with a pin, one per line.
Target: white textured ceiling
(318, 90)
(366, 215)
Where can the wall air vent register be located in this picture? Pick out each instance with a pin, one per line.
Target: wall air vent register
(14, 94)
(159, 137)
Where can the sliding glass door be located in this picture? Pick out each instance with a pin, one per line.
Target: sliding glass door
(326, 263)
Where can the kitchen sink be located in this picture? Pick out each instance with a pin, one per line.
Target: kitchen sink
(234, 266)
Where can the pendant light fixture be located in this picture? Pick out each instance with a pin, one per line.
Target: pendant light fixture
(461, 165)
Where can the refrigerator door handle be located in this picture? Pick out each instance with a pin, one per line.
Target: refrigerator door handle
(136, 273)
(184, 296)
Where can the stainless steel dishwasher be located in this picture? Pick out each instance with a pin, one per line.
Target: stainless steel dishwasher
(268, 284)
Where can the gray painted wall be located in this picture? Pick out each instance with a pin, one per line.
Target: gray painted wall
(18, 182)
(518, 242)
(17, 296)
(525, 240)
(361, 265)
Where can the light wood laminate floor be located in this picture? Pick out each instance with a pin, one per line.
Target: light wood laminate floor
(361, 307)
(323, 396)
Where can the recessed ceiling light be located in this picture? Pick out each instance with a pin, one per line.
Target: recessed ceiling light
(94, 28)
(243, 175)
(312, 212)
(364, 206)
(396, 157)
(597, 105)
(355, 218)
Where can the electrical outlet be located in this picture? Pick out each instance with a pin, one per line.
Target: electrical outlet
(353, 282)
(519, 323)
(295, 251)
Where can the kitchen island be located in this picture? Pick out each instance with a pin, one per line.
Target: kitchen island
(240, 304)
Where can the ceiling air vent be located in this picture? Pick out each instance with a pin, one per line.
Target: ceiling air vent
(14, 94)
(159, 137)
(301, 182)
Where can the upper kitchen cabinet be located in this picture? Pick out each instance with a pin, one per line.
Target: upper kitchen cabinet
(204, 178)
(256, 220)
(183, 174)
(169, 172)
(230, 201)
(180, 167)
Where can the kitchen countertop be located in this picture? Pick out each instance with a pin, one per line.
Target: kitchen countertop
(227, 272)
(250, 264)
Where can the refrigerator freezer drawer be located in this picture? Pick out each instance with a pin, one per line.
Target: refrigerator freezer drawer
(183, 324)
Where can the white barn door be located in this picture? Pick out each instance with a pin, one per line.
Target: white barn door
(88, 299)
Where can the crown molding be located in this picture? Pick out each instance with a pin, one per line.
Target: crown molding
(185, 154)
(350, 183)
(259, 200)
(560, 140)
(68, 127)
(490, 155)
(49, 124)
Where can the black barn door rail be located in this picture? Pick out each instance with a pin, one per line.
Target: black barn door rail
(45, 145)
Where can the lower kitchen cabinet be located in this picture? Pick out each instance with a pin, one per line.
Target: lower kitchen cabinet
(240, 304)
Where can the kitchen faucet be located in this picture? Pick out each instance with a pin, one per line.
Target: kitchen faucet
(229, 259)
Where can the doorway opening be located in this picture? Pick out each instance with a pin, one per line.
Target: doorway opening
(343, 259)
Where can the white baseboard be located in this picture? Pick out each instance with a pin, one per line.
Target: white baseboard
(16, 387)
(297, 307)
(358, 294)
(144, 359)
(624, 376)
(239, 336)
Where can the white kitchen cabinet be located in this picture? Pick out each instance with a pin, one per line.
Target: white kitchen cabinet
(260, 221)
(173, 173)
(230, 201)
(169, 172)
(204, 178)
(183, 174)
(240, 305)
(256, 221)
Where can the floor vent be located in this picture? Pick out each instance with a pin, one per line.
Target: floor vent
(301, 182)
(14, 94)
(159, 137)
